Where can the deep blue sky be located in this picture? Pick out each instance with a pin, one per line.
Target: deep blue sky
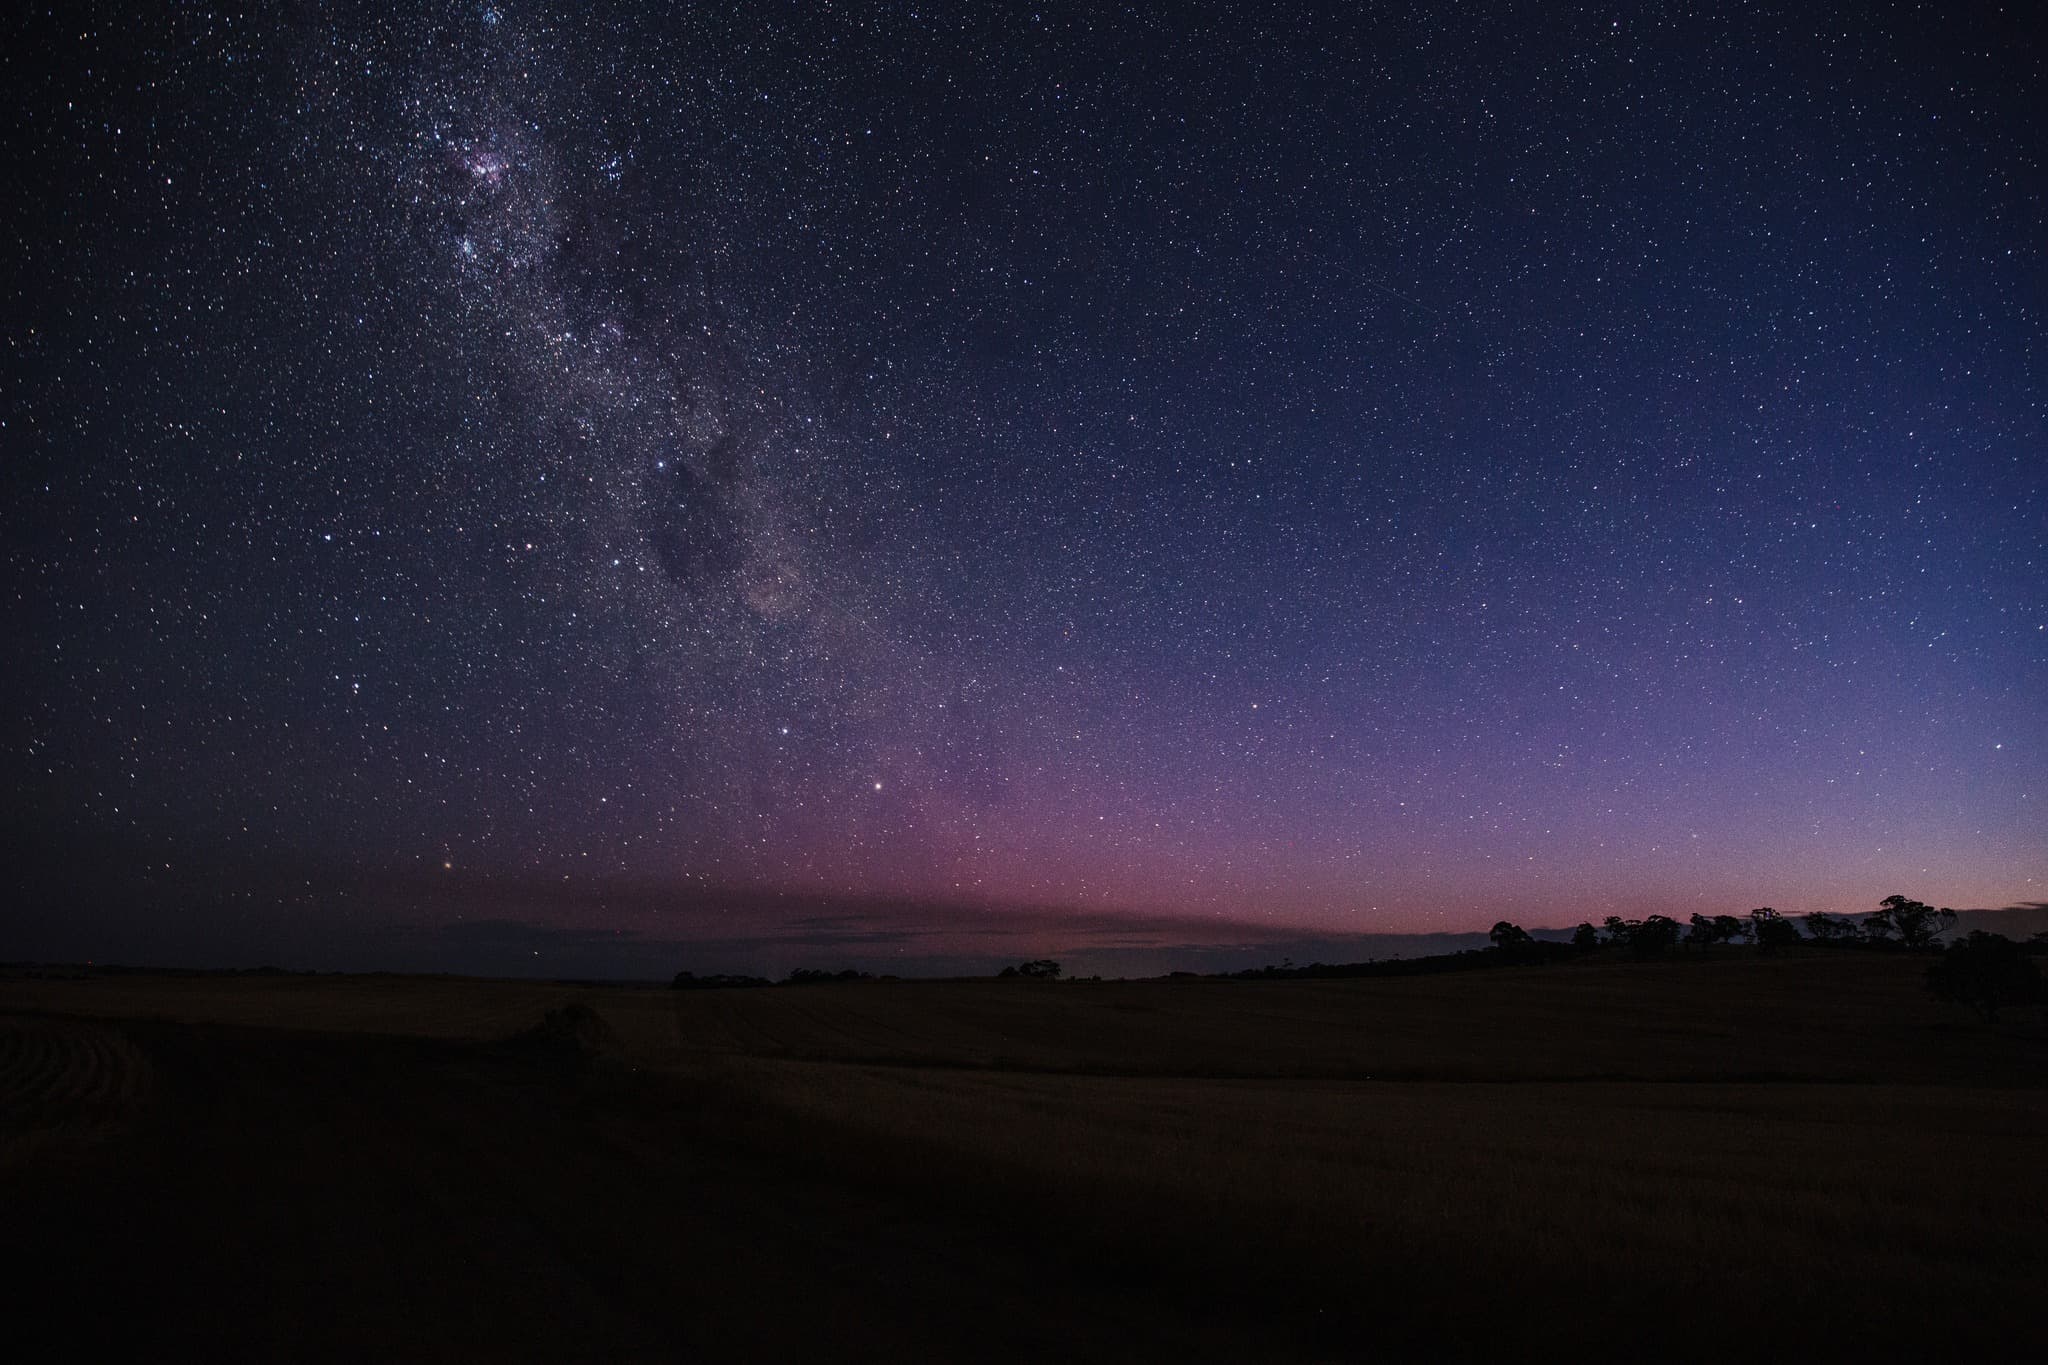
(586, 469)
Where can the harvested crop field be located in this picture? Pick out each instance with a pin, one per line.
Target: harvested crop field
(1689, 1160)
(66, 1077)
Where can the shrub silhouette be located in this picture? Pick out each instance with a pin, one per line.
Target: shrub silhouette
(1986, 972)
(573, 1035)
(814, 976)
(690, 981)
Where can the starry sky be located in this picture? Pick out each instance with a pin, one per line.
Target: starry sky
(838, 481)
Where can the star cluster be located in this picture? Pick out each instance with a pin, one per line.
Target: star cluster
(1360, 473)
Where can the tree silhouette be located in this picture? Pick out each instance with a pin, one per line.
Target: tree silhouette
(1985, 972)
(1917, 923)
(1829, 928)
(1706, 932)
(1653, 935)
(1512, 939)
(1585, 938)
(1771, 929)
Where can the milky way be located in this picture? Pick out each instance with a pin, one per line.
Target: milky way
(1330, 474)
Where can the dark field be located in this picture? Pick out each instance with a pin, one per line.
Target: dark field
(1697, 1159)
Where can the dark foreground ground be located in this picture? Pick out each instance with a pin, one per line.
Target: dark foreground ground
(1699, 1160)
(307, 1197)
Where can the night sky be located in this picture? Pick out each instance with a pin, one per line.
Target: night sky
(832, 482)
